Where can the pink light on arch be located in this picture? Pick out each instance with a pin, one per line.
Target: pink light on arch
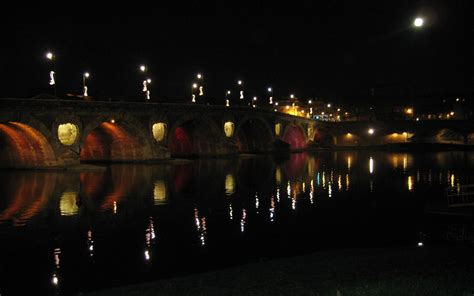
(295, 137)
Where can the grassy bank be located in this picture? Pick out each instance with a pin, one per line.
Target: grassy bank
(414, 271)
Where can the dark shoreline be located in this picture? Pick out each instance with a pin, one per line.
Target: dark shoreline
(446, 270)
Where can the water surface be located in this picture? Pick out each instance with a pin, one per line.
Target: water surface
(68, 232)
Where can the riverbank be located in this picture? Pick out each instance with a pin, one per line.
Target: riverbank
(401, 271)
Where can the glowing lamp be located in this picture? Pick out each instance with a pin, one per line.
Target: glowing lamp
(418, 22)
(51, 78)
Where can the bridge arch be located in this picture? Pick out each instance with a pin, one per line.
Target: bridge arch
(195, 135)
(295, 136)
(347, 139)
(449, 136)
(120, 139)
(253, 134)
(25, 145)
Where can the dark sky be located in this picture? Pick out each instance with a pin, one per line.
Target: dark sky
(339, 49)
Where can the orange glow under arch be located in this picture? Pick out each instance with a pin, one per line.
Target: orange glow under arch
(23, 146)
(111, 142)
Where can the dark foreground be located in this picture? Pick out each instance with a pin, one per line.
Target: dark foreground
(404, 271)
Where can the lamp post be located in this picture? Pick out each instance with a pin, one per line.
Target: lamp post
(227, 103)
(193, 96)
(84, 86)
(146, 89)
(52, 81)
(145, 83)
(270, 98)
(293, 104)
(200, 85)
(254, 102)
(241, 92)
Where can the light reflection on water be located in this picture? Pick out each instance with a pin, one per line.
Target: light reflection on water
(133, 223)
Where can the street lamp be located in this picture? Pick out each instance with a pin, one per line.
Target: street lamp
(84, 86)
(241, 91)
(52, 80)
(145, 82)
(193, 87)
(254, 104)
(145, 88)
(201, 87)
(227, 103)
(270, 99)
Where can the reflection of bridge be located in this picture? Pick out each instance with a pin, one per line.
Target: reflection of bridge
(50, 132)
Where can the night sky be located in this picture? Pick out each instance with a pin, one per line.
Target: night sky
(342, 50)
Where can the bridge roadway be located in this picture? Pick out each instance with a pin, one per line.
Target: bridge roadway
(44, 132)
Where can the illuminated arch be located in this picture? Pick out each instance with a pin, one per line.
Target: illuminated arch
(195, 135)
(295, 136)
(24, 146)
(347, 139)
(114, 141)
(449, 136)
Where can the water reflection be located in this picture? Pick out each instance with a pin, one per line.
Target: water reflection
(57, 267)
(149, 238)
(90, 243)
(68, 204)
(159, 193)
(272, 209)
(243, 220)
(229, 184)
(201, 227)
(238, 200)
(410, 183)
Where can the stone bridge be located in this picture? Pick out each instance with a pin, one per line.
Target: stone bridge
(47, 132)
(53, 132)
